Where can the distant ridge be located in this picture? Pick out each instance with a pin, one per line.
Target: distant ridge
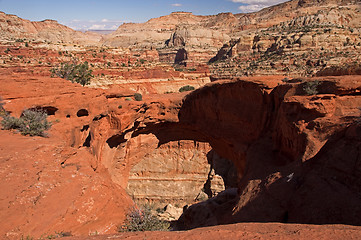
(102, 32)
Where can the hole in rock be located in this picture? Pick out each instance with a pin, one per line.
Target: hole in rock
(87, 141)
(85, 128)
(47, 109)
(115, 141)
(68, 116)
(82, 113)
(100, 116)
(177, 172)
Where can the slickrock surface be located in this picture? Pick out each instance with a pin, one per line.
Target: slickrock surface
(248, 231)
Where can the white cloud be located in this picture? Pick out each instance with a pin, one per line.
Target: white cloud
(104, 24)
(256, 5)
(250, 8)
(176, 5)
(262, 2)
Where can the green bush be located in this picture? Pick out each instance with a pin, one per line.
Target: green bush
(79, 73)
(138, 97)
(143, 220)
(31, 122)
(186, 88)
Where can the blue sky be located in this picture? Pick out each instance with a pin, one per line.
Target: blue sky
(109, 14)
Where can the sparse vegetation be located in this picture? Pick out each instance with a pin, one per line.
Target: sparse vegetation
(31, 122)
(186, 88)
(143, 220)
(310, 88)
(79, 73)
(138, 97)
(59, 235)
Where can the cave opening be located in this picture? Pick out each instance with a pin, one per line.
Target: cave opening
(181, 57)
(49, 110)
(180, 173)
(115, 141)
(87, 141)
(82, 113)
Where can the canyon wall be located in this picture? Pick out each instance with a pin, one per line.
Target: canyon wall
(278, 136)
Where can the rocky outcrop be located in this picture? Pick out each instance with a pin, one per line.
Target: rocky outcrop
(287, 153)
(278, 138)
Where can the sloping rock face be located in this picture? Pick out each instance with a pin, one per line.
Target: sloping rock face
(247, 231)
(49, 184)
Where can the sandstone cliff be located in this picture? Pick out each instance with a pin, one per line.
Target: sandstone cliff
(13, 27)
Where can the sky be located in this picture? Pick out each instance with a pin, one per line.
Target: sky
(109, 14)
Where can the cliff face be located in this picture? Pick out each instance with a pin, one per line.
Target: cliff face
(281, 147)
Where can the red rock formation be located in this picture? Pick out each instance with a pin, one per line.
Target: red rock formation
(294, 144)
(273, 134)
(278, 137)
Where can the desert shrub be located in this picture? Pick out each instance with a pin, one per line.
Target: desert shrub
(31, 122)
(143, 220)
(186, 88)
(138, 97)
(1, 104)
(79, 73)
(310, 88)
